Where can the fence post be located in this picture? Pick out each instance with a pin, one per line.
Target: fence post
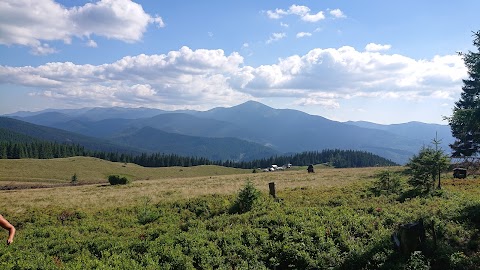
(271, 186)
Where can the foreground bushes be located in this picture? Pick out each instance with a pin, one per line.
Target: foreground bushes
(336, 228)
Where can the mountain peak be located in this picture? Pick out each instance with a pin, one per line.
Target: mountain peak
(253, 105)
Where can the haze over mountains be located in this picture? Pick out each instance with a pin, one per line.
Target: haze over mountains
(247, 131)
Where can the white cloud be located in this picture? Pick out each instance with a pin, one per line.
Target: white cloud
(277, 14)
(303, 34)
(299, 10)
(91, 43)
(302, 11)
(284, 25)
(337, 13)
(276, 37)
(178, 77)
(321, 77)
(314, 17)
(42, 49)
(350, 74)
(373, 47)
(32, 23)
(158, 21)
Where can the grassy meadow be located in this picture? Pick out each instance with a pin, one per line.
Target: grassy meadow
(55, 172)
(183, 218)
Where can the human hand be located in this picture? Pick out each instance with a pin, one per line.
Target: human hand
(9, 241)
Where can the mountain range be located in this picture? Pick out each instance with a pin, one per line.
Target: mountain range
(247, 131)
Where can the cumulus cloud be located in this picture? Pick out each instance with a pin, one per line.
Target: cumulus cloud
(321, 77)
(91, 43)
(32, 23)
(352, 74)
(178, 77)
(42, 49)
(372, 47)
(158, 21)
(314, 17)
(303, 34)
(276, 37)
(301, 11)
(337, 13)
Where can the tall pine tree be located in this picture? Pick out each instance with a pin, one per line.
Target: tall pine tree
(465, 121)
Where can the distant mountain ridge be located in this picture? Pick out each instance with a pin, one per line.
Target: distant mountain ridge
(279, 130)
(44, 133)
(151, 139)
(415, 130)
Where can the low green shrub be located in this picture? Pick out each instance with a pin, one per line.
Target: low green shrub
(147, 213)
(387, 183)
(246, 199)
(417, 261)
(118, 180)
(74, 180)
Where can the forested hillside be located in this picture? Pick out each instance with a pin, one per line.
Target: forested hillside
(337, 158)
(18, 147)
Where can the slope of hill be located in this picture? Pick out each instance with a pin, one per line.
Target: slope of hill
(43, 172)
(48, 119)
(61, 136)
(181, 123)
(149, 139)
(415, 130)
(138, 136)
(7, 135)
(101, 129)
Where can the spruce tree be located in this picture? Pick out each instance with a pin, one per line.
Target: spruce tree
(465, 121)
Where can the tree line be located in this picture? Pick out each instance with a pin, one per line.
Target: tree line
(334, 157)
(39, 150)
(48, 150)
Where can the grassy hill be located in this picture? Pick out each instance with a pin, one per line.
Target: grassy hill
(182, 219)
(36, 172)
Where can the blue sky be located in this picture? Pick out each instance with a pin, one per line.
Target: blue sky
(379, 61)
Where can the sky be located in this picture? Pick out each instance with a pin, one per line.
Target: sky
(374, 60)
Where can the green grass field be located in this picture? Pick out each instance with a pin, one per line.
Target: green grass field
(181, 218)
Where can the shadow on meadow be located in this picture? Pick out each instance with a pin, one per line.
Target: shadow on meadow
(471, 214)
(435, 254)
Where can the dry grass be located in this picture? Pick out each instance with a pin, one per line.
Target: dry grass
(35, 172)
(163, 184)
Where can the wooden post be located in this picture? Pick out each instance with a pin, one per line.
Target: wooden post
(271, 186)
